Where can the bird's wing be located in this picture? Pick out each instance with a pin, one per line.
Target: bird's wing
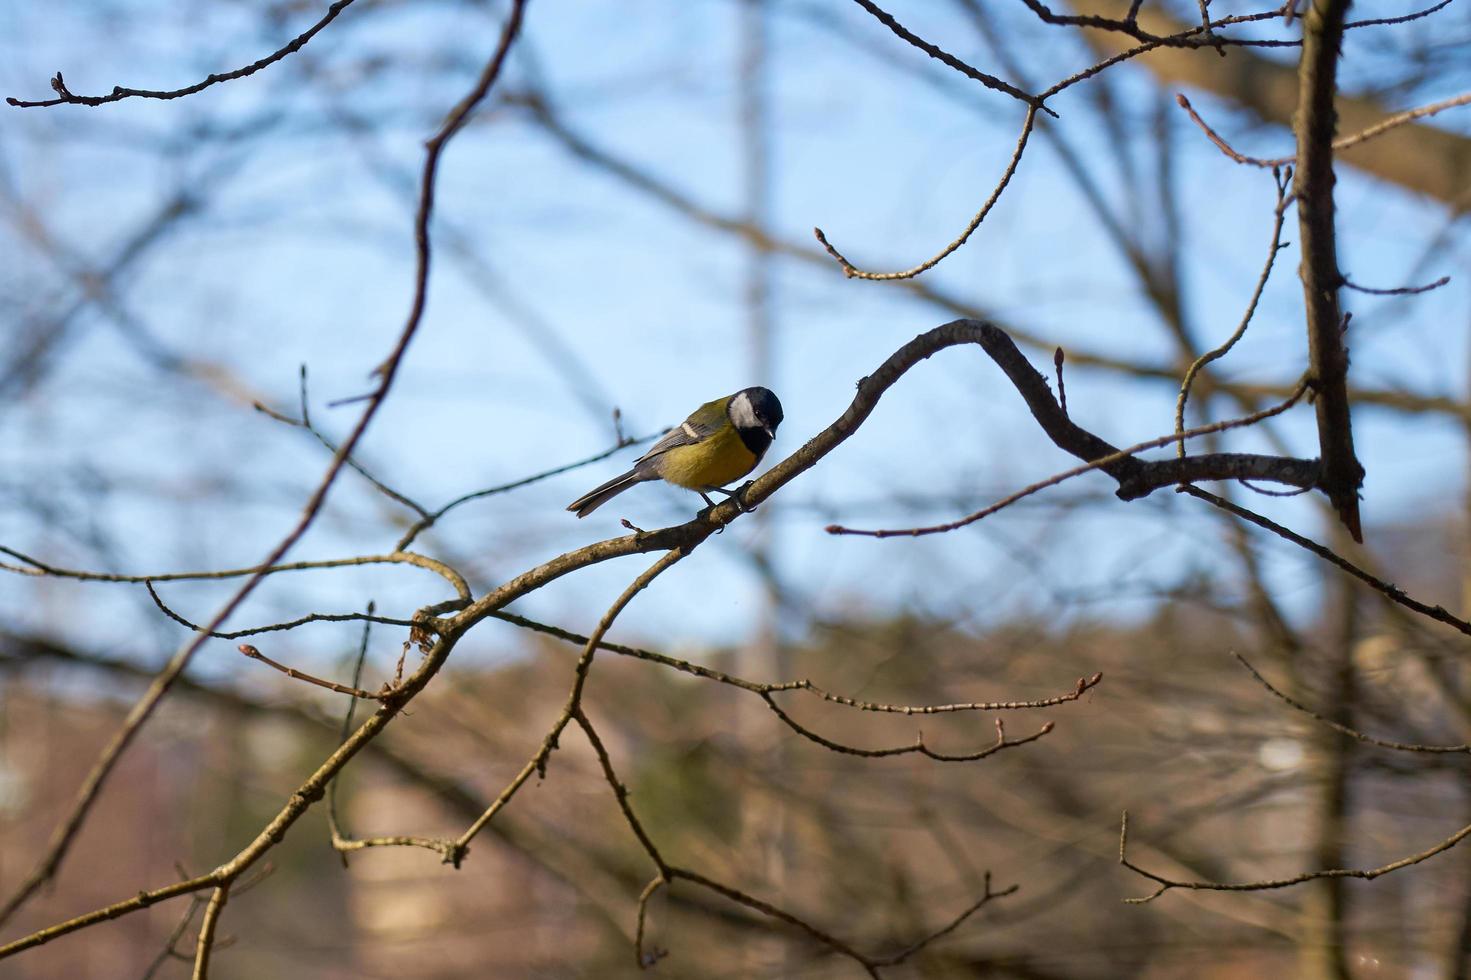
(703, 422)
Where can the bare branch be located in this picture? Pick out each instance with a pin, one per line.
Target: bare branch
(428, 520)
(1345, 729)
(39, 568)
(207, 929)
(1393, 592)
(1140, 478)
(537, 763)
(990, 81)
(1398, 290)
(852, 272)
(292, 624)
(917, 747)
(1342, 475)
(295, 674)
(65, 97)
(1268, 884)
(1278, 216)
(1339, 144)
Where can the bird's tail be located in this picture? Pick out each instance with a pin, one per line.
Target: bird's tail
(595, 498)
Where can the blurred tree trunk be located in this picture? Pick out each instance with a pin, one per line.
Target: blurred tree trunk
(1323, 953)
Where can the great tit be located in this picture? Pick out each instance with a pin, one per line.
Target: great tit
(720, 442)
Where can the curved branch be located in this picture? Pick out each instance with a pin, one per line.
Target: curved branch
(1268, 884)
(945, 57)
(1354, 733)
(1388, 589)
(853, 272)
(65, 97)
(39, 568)
(1136, 478)
(918, 746)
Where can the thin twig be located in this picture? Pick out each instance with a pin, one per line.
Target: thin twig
(1268, 884)
(305, 423)
(1465, 747)
(1397, 290)
(429, 519)
(294, 674)
(1388, 589)
(65, 97)
(537, 763)
(275, 627)
(170, 945)
(1084, 684)
(917, 747)
(1339, 144)
(990, 81)
(1102, 462)
(853, 272)
(444, 571)
(646, 960)
(1279, 214)
(987, 897)
(334, 823)
(207, 927)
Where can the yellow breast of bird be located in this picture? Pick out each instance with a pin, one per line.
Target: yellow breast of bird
(714, 462)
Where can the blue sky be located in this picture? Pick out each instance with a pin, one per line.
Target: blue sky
(302, 254)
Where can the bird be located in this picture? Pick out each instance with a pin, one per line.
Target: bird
(721, 441)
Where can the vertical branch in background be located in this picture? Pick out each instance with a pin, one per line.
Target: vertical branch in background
(1314, 125)
(1457, 955)
(765, 814)
(1322, 943)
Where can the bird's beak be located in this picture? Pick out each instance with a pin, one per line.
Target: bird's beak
(770, 432)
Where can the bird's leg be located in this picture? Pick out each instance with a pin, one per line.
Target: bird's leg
(737, 495)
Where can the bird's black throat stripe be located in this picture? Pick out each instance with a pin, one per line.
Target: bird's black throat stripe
(756, 440)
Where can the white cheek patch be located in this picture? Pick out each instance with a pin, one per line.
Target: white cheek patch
(742, 414)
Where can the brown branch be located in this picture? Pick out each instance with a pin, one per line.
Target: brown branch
(1200, 36)
(1465, 747)
(1388, 589)
(853, 272)
(1397, 290)
(429, 519)
(1083, 685)
(945, 57)
(170, 945)
(537, 763)
(1402, 19)
(39, 568)
(646, 960)
(1142, 477)
(1279, 214)
(275, 627)
(387, 372)
(1342, 475)
(207, 927)
(1368, 874)
(987, 896)
(1341, 143)
(917, 747)
(297, 675)
(65, 97)
(305, 423)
